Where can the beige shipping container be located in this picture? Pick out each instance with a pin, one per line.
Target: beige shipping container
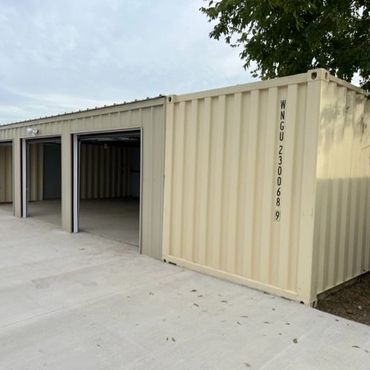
(342, 212)
(267, 184)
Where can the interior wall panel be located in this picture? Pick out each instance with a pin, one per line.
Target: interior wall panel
(105, 171)
(35, 172)
(6, 175)
(51, 176)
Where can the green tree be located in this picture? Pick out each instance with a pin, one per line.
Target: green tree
(285, 37)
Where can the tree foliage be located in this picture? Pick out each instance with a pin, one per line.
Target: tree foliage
(285, 37)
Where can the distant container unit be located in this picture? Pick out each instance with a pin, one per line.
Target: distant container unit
(265, 184)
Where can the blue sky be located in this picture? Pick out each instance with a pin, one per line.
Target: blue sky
(59, 56)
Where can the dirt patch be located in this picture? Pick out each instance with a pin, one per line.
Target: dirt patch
(351, 302)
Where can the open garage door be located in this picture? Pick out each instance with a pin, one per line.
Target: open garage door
(41, 179)
(107, 178)
(6, 176)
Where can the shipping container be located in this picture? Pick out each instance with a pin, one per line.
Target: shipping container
(267, 184)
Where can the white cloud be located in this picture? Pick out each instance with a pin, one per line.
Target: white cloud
(61, 56)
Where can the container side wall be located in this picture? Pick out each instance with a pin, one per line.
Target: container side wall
(342, 237)
(235, 164)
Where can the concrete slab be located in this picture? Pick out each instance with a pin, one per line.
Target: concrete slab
(6, 207)
(84, 302)
(47, 211)
(116, 219)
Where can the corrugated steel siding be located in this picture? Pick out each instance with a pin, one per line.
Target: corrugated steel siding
(149, 116)
(6, 176)
(221, 183)
(105, 171)
(35, 172)
(342, 233)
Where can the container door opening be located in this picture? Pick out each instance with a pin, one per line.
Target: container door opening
(110, 185)
(43, 179)
(6, 177)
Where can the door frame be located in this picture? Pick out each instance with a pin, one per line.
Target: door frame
(76, 167)
(11, 143)
(25, 151)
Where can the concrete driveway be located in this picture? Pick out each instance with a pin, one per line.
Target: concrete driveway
(84, 302)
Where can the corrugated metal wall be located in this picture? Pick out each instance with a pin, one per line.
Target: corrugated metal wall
(6, 175)
(237, 163)
(35, 171)
(105, 171)
(342, 232)
(267, 184)
(147, 115)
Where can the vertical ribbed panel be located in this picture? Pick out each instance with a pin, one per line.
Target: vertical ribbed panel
(6, 176)
(149, 117)
(105, 171)
(222, 155)
(35, 172)
(342, 219)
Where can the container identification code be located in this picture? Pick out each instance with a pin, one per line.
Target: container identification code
(280, 161)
